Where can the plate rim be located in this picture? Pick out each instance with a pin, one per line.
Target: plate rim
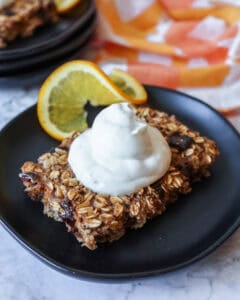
(121, 277)
(54, 54)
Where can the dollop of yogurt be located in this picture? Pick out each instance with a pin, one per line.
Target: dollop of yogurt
(120, 154)
(4, 3)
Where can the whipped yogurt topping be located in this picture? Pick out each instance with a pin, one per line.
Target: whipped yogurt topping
(4, 3)
(120, 154)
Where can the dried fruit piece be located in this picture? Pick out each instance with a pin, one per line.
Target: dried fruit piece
(181, 142)
(67, 214)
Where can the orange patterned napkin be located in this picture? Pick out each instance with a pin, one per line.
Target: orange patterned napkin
(191, 45)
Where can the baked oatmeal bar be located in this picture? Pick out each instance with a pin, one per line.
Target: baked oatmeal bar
(22, 17)
(95, 218)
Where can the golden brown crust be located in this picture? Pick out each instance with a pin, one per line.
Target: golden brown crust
(22, 17)
(95, 218)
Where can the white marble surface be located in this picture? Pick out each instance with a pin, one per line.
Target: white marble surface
(24, 277)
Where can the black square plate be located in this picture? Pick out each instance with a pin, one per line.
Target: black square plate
(38, 62)
(50, 35)
(189, 230)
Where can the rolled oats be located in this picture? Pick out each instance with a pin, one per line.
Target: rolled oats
(22, 17)
(95, 218)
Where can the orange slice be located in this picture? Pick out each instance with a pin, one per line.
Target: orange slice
(66, 91)
(129, 85)
(64, 6)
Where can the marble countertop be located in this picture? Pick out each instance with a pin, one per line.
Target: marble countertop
(24, 277)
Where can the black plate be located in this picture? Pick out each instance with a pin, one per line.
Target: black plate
(51, 56)
(189, 230)
(49, 36)
(35, 76)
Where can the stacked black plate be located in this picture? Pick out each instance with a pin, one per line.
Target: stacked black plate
(50, 45)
